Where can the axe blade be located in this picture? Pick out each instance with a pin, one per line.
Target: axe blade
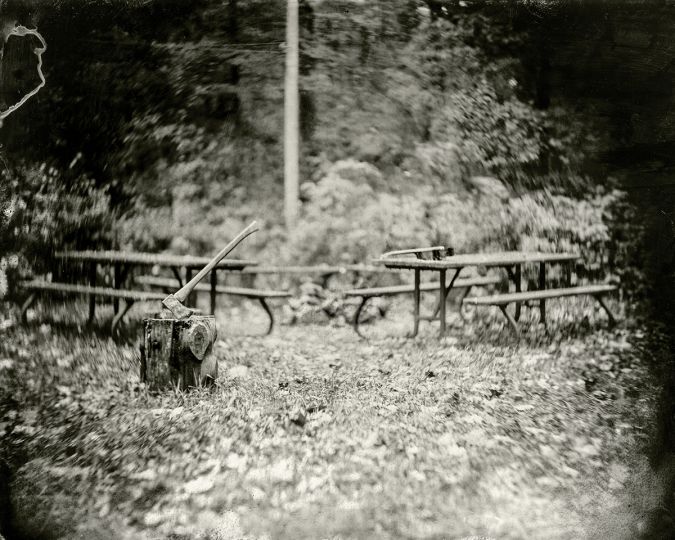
(176, 307)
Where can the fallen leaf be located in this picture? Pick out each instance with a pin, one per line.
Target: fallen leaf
(569, 471)
(547, 481)
(147, 475)
(152, 519)
(176, 412)
(298, 416)
(6, 363)
(522, 407)
(547, 451)
(282, 471)
(586, 449)
(199, 485)
(235, 461)
(237, 372)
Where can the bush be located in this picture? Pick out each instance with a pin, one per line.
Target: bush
(42, 210)
(347, 222)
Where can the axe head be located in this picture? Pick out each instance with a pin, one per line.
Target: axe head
(176, 307)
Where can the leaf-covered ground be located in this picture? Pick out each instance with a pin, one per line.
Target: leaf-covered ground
(313, 433)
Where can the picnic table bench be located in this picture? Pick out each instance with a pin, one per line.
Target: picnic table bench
(36, 286)
(374, 292)
(503, 300)
(262, 295)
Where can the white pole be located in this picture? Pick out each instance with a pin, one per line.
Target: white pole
(291, 118)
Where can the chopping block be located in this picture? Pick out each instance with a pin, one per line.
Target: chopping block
(177, 344)
(179, 352)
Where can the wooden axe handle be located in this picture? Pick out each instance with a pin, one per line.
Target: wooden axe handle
(182, 294)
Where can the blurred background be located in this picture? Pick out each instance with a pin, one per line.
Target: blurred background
(477, 124)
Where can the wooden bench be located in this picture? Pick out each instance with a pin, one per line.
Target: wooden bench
(169, 285)
(37, 286)
(503, 300)
(367, 294)
(321, 273)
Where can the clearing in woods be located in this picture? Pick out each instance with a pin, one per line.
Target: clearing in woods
(313, 433)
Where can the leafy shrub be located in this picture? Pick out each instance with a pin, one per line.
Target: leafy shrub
(41, 211)
(349, 222)
(344, 221)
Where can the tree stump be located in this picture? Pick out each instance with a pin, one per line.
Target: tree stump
(179, 352)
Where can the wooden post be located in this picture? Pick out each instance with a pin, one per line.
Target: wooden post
(291, 117)
(179, 352)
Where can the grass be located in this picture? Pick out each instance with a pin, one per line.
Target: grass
(313, 433)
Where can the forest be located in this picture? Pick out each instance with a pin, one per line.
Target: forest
(157, 113)
(531, 125)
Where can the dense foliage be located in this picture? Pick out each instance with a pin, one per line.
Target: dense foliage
(172, 113)
(347, 220)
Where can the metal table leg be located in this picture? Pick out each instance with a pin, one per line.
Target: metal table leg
(519, 286)
(441, 302)
(189, 301)
(92, 298)
(120, 273)
(568, 274)
(612, 319)
(416, 304)
(214, 284)
(357, 315)
(542, 286)
(511, 321)
(177, 275)
(447, 292)
(270, 314)
(117, 284)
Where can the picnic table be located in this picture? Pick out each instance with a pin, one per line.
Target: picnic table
(510, 261)
(124, 261)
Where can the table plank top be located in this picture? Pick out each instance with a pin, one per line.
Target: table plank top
(162, 259)
(503, 258)
(322, 269)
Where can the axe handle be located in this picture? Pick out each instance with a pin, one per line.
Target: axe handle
(182, 294)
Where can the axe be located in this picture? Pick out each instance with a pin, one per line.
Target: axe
(174, 302)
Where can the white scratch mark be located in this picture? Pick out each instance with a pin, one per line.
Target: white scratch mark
(21, 31)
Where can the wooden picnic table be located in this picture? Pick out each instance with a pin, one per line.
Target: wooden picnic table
(511, 261)
(124, 261)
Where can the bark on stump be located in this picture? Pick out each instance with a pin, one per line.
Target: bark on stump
(178, 352)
